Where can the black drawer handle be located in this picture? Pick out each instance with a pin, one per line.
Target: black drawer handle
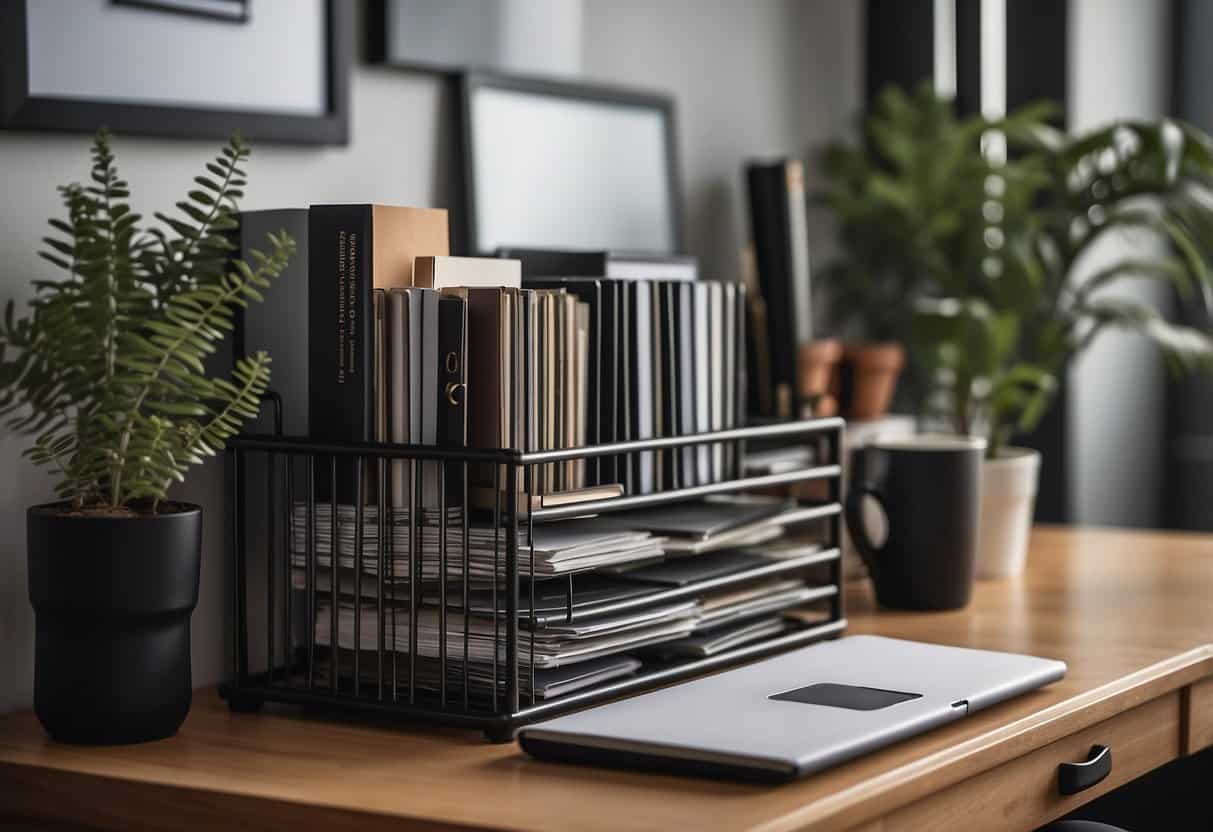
(1072, 778)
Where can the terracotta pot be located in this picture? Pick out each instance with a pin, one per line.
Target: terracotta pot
(817, 375)
(874, 370)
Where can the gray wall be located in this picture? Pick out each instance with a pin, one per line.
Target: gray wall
(753, 78)
(1119, 65)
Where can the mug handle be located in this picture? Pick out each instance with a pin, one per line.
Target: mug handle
(855, 525)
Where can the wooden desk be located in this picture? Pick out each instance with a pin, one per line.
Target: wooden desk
(1131, 613)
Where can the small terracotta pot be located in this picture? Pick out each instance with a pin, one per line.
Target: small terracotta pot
(817, 374)
(874, 371)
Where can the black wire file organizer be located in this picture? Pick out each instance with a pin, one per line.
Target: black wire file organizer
(420, 621)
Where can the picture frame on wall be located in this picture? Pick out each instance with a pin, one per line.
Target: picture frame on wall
(274, 70)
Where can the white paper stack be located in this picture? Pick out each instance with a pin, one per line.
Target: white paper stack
(558, 548)
(554, 647)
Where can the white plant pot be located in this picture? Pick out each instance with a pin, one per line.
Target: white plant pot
(1008, 497)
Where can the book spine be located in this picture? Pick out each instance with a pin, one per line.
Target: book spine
(340, 332)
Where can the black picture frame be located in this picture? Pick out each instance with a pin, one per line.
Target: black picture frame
(467, 240)
(19, 110)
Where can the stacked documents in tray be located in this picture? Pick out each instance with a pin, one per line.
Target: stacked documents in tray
(717, 523)
(557, 548)
(547, 648)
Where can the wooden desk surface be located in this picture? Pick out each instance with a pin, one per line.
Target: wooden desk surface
(1131, 614)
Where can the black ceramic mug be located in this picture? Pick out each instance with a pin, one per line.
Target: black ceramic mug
(929, 488)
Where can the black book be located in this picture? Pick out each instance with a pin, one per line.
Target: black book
(781, 249)
(352, 250)
(684, 331)
(261, 326)
(341, 332)
(670, 399)
(623, 417)
(642, 389)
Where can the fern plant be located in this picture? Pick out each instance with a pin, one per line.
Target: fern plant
(107, 369)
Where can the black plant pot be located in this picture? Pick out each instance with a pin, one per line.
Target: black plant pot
(112, 598)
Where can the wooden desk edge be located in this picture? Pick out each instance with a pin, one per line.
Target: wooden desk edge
(35, 790)
(901, 786)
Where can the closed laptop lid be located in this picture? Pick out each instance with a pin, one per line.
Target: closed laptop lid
(795, 713)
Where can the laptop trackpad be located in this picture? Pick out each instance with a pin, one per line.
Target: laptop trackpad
(845, 696)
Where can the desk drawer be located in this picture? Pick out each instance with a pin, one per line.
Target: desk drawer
(1022, 793)
(1200, 716)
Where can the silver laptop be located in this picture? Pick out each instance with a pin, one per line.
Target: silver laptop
(793, 714)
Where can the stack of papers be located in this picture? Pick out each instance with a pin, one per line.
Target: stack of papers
(711, 642)
(750, 602)
(549, 682)
(552, 647)
(559, 548)
(717, 522)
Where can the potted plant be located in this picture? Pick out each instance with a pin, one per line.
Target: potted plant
(106, 371)
(901, 197)
(998, 338)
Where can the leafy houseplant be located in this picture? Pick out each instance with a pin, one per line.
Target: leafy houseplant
(999, 334)
(106, 371)
(905, 199)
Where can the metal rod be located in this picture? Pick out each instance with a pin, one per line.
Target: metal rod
(660, 498)
(287, 567)
(240, 630)
(834, 493)
(442, 577)
(414, 576)
(294, 444)
(270, 556)
(266, 442)
(530, 538)
(467, 611)
(568, 597)
(380, 568)
(496, 576)
(511, 593)
(358, 532)
(334, 578)
(310, 569)
(391, 571)
(783, 429)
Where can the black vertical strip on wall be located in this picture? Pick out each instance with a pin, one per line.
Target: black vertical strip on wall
(1036, 70)
(1188, 482)
(900, 50)
(968, 57)
(899, 36)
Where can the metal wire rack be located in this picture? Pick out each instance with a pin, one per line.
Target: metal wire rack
(384, 560)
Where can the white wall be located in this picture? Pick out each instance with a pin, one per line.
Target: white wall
(754, 78)
(1119, 65)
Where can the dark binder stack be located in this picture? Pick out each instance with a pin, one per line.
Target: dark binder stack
(668, 358)
(781, 248)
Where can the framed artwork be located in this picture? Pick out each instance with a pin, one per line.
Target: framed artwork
(568, 165)
(276, 70)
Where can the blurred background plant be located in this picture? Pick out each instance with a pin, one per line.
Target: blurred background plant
(998, 339)
(964, 238)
